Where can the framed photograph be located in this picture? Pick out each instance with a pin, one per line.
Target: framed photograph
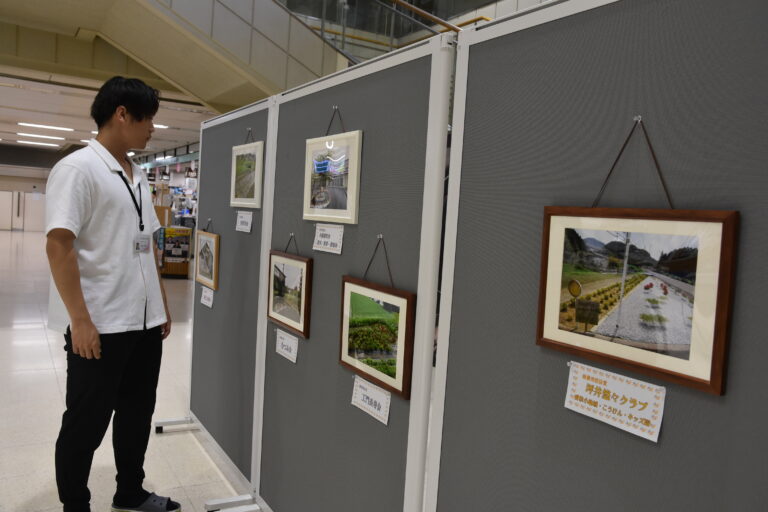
(247, 170)
(647, 290)
(332, 177)
(290, 291)
(377, 333)
(207, 259)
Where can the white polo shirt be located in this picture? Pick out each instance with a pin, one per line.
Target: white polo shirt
(86, 195)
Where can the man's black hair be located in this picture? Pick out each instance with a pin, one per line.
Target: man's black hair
(139, 99)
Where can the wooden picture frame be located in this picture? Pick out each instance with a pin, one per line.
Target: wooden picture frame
(290, 291)
(247, 174)
(374, 317)
(207, 259)
(332, 177)
(659, 305)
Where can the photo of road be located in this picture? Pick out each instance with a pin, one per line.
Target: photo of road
(286, 291)
(245, 176)
(329, 178)
(636, 289)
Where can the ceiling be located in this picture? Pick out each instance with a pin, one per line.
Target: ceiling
(38, 102)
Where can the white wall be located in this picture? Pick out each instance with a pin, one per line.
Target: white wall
(34, 212)
(6, 206)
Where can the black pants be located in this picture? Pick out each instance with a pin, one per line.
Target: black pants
(124, 380)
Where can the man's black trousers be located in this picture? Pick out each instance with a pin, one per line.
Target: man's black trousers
(123, 381)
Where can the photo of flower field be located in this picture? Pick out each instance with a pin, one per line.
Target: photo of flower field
(633, 288)
(373, 333)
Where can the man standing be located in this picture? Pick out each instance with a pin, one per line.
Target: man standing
(99, 225)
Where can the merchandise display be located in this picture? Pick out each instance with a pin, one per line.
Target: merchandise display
(377, 333)
(247, 171)
(647, 289)
(332, 177)
(207, 259)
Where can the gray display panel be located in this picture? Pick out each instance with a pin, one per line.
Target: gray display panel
(319, 452)
(224, 337)
(546, 113)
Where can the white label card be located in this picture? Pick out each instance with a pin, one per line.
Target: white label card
(287, 345)
(371, 399)
(628, 404)
(328, 238)
(244, 221)
(206, 299)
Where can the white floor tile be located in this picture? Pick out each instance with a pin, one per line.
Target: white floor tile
(33, 387)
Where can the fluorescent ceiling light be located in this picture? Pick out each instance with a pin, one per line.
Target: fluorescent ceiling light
(32, 125)
(39, 136)
(163, 157)
(85, 140)
(95, 133)
(38, 143)
(131, 153)
(161, 126)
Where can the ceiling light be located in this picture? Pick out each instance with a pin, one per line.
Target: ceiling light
(161, 126)
(95, 133)
(39, 136)
(131, 153)
(85, 140)
(163, 157)
(38, 143)
(32, 125)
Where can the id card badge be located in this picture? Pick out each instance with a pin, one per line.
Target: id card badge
(141, 243)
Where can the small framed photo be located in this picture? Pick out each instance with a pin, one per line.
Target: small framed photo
(377, 325)
(332, 177)
(647, 290)
(207, 259)
(247, 170)
(290, 291)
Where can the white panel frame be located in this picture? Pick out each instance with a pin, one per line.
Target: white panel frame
(516, 22)
(269, 104)
(441, 49)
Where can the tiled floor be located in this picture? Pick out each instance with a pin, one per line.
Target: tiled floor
(32, 385)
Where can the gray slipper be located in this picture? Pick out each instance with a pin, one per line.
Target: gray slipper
(154, 503)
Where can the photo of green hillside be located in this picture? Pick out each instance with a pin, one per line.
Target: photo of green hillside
(373, 333)
(245, 176)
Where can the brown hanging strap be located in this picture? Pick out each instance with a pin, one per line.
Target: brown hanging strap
(386, 256)
(638, 122)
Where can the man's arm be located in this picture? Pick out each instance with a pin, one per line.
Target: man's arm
(66, 274)
(166, 327)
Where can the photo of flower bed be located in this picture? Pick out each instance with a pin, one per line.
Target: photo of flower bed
(373, 333)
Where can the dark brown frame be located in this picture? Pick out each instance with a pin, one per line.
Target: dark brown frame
(724, 299)
(307, 306)
(410, 318)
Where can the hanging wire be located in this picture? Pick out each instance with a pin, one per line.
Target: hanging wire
(292, 238)
(208, 225)
(638, 122)
(333, 116)
(386, 257)
(249, 136)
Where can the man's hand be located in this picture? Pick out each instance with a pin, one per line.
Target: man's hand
(165, 329)
(85, 340)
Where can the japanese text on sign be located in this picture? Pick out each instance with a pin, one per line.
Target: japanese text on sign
(328, 238)
(371, 399)
(628, 404)
(206, 297)
(244, 221)
(286, 345)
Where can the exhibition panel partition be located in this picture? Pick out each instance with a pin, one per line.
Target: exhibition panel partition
(224, 335)
(544, 101)
(377, 170)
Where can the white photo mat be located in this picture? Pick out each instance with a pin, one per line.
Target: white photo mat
(256, 149)
(353, 143)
